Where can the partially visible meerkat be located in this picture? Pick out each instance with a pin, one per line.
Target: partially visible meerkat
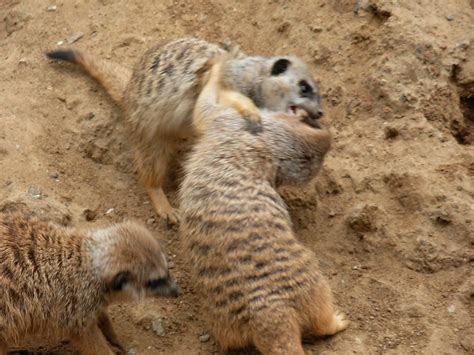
(159, 95)
(259, 285)
(56, 282)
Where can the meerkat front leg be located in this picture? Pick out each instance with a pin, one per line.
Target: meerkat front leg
(107, 329)
(92, 342)
(241, 103)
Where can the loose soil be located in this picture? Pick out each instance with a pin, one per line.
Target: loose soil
(390, 216)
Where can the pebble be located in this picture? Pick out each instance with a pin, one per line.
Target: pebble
(110, 210)
(204, 338)
(450, 17)
(451, 308)
(52, 8)
(75, 37)
(34, 192)
(150, 221)
(54, 175)
(158, 328)
(60, 43)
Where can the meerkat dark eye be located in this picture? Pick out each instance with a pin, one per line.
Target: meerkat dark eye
(120, 280)
(155, 283)
(305, 88)
(280, 66)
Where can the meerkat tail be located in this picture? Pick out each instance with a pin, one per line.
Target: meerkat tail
(112, 76)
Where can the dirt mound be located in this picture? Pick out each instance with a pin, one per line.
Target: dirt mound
(391, 215)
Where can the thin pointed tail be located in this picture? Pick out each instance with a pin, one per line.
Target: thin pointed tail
(112, 76)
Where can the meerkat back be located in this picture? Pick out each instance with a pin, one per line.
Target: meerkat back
(258, 284)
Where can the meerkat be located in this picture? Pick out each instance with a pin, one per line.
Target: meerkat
(259, 285)
(56, 282)
(158, 97)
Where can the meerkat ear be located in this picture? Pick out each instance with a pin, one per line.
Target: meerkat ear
(120, 280)
(280, 66)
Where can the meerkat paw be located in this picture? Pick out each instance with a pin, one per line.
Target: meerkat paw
(171, 215)
(340, 322)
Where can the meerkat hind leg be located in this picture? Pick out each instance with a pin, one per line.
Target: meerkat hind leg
(329, 322)
(152, 167)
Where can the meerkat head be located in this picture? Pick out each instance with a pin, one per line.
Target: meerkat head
(298, 147)
(289, 86)
(131, 263)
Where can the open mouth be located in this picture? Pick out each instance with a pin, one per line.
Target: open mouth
(304, 116)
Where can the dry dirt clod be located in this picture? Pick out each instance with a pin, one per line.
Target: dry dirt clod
(391, 132)
(204, 338)
(75, 37)
(158, 327)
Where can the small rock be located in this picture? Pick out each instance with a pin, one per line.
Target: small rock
(54, 175)
(316, 29)
(75, 37)
(362, 218)
(52, 8)
(204, 338)
(451, 308)
(442, 218)
(158, 328)
(22, 61)
(150, 221)
(450, 17)
(60, 43)
(88, 116)
(34, 192)
(171, 264)
(89, 215)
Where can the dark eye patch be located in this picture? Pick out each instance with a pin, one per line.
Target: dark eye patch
(120, 280)
(280, 66)
(155, 283)
(306, 89)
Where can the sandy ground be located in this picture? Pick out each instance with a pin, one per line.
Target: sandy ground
(391, 215)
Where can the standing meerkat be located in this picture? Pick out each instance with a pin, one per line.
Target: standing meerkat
(56, 282)
(159, 95)
(258, 284)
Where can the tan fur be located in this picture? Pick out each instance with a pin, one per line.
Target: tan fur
(258, 283)
(55, 283)
(163, 89)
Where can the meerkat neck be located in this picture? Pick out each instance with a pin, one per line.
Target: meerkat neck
(99, 243)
